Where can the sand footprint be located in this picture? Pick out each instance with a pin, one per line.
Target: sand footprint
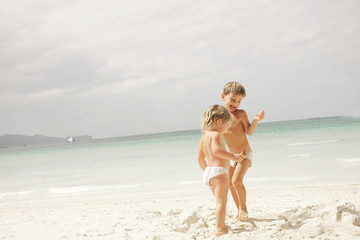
(296, 217)
(187, 220)
(168, 237)
(175, 212)
(246, 226)
(350, 208)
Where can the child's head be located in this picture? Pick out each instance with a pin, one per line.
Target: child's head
(232, 94)
(234, 88)
(212, 115)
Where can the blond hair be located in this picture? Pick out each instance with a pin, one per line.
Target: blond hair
(235, 88)
(212, 114)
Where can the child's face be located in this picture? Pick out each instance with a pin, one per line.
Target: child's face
(232, 101)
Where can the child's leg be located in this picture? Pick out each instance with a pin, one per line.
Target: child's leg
(220, 189)
(233, 191)
(237, 182)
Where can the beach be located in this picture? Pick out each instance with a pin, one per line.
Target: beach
(304, 184)
(311, 212)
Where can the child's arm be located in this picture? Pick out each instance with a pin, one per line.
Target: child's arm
(219, 150)
(239, 157)
(201, 159)
(250, 128)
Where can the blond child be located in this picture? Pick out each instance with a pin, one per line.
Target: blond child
(236, 140)
(216, 121)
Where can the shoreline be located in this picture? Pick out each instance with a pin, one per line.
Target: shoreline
(119, 195)
(317, 212)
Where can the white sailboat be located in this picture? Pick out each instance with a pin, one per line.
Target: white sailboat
(71, 139)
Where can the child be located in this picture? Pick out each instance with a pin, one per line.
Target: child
(216, 121)
(237, 142)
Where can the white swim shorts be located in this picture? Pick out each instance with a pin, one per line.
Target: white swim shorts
(211, 172)
(249, 155)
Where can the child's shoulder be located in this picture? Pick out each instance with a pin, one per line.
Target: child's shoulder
(212, 135)
(238, 113)
(208, 134)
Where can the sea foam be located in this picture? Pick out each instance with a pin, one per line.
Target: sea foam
(282, 179)
(349, 160)
(312, 143)
(14, 194)
(299, 155)
(84, 189)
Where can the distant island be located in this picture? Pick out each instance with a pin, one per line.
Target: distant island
(12, 140)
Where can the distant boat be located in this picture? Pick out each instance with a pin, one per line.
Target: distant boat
(71, 139)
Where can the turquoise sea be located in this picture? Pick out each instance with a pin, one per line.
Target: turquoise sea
(319, 151)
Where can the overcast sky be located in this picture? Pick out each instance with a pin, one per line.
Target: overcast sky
(123, 67)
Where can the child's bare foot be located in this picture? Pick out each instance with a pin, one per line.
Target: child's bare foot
(221, 231)
(243, 215)
(238, 215)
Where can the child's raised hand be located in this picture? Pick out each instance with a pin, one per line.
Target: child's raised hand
(260, 115)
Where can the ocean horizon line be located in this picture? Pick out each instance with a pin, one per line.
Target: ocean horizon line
(173, 132)
(199, 129)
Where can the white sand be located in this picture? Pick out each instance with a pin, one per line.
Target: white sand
(323, 212)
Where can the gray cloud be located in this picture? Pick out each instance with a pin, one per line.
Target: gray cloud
(129, 67)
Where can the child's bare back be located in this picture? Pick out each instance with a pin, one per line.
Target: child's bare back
(209, 143)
